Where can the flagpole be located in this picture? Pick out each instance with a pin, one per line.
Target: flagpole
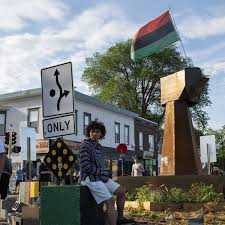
(177, 30)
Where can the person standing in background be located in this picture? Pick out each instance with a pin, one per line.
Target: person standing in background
(19, 178)
(5, 178)
(2, 157)
(137, 168)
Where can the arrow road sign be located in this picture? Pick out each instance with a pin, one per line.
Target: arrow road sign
(58, 126)
(57, 90)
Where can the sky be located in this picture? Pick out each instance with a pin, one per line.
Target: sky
(36, 34)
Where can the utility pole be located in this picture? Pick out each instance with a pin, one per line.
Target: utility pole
(222, 145)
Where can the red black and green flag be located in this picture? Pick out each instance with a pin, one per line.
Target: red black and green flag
(154, 36)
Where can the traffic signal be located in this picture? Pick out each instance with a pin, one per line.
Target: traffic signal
(14, 138)
(7, 136)
(16, 149)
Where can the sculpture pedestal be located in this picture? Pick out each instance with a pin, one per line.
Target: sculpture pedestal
(179, 153)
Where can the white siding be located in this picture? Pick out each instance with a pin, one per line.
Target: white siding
(18, 109)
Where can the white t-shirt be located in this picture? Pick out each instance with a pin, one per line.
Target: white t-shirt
(137, 169)
(2, 148)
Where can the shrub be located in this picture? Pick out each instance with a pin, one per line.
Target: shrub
(130, 196)
(146, 193)
(143, 193)
(199, 192)
(176, 195)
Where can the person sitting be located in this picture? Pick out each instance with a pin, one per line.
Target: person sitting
(94, 176)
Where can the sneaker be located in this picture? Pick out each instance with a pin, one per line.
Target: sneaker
(125, 221)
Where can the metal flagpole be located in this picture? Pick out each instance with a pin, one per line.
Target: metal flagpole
(175, 26)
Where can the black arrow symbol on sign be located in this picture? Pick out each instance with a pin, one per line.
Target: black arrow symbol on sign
(65, 93)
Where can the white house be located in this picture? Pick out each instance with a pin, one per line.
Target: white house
(24, 109)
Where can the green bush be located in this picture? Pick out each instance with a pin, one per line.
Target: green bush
(146, 193)
(143, 193)
(130, 196)
(156, 196)
(174, 194)
(199, 192)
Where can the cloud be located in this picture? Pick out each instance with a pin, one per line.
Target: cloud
(218, 67)
(16, 15)
(209, 51)
(22, 56)
(201, 27)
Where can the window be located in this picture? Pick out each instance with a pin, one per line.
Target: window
(33, 119)
(140, 140)
(87, 120)
(126, 134)
(117, 132)
(75, 115)
(2, 122)
(151, 142)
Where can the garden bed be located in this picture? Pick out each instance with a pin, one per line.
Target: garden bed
(153, 206)
(215, 207)
(161, 206)
(198, 197)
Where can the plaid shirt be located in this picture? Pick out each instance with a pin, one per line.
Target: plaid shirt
(91, 161)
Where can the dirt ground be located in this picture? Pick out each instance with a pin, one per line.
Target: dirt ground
(175, 218)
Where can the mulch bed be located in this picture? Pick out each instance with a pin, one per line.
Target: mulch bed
(174, 218)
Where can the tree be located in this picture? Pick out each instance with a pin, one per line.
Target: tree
(113, 77)
(220, 145)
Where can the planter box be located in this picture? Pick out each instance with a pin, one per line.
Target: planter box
(138, 205)
(153, 206)
(192, 206)
(161, 206)
(215, 207)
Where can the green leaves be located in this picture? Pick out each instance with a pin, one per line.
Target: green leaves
(198, 192)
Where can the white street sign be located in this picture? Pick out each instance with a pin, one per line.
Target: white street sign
(27, 132)
(57, 90)
(211, 142)
(58, 126)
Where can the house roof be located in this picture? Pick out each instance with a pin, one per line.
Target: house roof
(146, 121)
(82, 97)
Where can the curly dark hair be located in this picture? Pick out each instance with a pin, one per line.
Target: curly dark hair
(96, 126)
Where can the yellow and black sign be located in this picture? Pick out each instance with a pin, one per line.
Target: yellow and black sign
(59, 159)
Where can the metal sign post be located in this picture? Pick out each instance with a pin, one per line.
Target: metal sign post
(28, 143)
(208, 158)
(121, 157)
(29, 158)
(122, 150)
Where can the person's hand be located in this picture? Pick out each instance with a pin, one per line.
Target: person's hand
(141, 168)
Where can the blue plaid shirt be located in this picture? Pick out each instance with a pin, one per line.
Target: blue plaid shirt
(91, 161)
